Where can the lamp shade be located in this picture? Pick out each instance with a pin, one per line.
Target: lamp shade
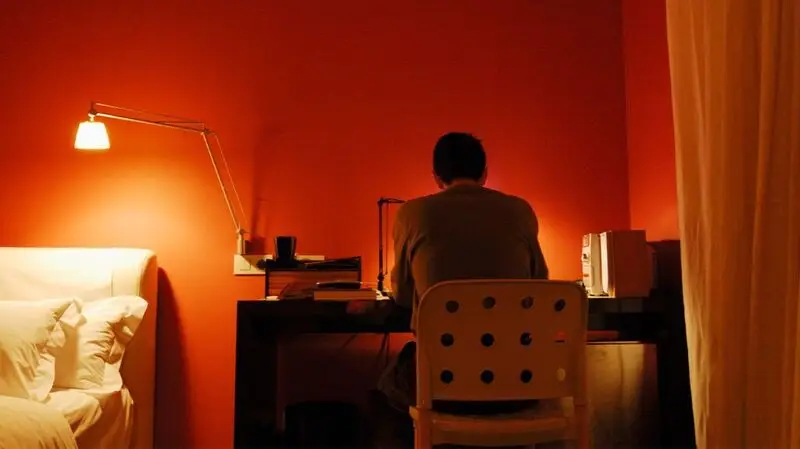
(92, 136)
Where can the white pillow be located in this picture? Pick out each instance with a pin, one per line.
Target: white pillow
(95, 337)
(29, 333)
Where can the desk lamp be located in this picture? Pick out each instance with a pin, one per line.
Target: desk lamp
(383, 206)
(92, 136)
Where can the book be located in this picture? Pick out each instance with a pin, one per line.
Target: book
(340, 294)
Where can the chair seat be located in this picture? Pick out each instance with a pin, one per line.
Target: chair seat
(535, 425)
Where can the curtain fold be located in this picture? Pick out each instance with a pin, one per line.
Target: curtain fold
(735, 70)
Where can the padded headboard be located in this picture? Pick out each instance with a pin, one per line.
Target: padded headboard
(91, 274)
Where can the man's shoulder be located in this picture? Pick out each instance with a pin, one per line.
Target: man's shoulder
(520, 202)
(516, 202)
(444, 196)
(423, 202)
(411, 204)
(420, 201)
(410, 208)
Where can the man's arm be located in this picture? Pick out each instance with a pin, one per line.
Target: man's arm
(402, 282)
(539, 268)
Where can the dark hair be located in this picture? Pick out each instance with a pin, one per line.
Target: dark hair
(458, 156)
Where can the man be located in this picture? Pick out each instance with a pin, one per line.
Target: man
(465, 231)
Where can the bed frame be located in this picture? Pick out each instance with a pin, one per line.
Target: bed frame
(96, 273)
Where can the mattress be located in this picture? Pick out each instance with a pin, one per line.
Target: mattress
(32, 425)
(99, 418)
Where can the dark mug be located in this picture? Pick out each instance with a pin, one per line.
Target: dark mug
(285, 247)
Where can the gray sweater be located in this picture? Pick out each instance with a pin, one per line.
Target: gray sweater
(463, 232)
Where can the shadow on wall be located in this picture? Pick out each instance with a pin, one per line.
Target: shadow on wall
(668, 260)
(172, 391)
(677, 422)
(259, 225)
(258, 243)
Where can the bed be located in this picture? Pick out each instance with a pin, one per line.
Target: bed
(103, 401)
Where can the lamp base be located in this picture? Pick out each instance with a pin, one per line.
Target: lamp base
(242, 244)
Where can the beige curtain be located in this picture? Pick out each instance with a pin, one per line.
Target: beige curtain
(735, 67)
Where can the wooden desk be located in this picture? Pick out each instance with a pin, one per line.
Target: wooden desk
(260, 324)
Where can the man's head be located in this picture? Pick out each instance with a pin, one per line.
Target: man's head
(459, 158)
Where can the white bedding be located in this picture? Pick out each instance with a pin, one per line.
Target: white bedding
(57, 365)
(100, 418)
(26, 424)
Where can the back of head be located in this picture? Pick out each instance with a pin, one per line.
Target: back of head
(459, 156)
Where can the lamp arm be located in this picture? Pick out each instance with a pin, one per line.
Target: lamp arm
(381, 275)
(183, 125)
(197, 127)
(383, 206)
(384, 200)
(240, 232)
(129, 114)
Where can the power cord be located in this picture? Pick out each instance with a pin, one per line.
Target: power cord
(383, 355)
(383, 352)
(341, 348)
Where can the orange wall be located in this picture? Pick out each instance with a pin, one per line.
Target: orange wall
(322, 108)
(651, 143)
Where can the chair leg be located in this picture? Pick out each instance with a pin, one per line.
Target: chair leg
(421, 441)
(583, 438)
(422, 434)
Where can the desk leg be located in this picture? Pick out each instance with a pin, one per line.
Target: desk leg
(278, 398)
(268, 399)
(255, 398)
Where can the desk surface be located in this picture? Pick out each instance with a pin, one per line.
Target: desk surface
(331, 317)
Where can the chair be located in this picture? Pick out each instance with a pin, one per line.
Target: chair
(498, 340)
